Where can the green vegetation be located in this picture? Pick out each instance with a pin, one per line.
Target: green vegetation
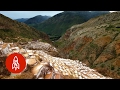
(73, 54)
(113, 28)
(54, 38)
(102, 65)
(57, 25)
(92, 45)
(110, 27)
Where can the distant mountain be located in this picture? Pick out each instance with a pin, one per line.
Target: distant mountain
(14, 31)
(21, 19)
(57, 25)
(96, 43)
(37, 19)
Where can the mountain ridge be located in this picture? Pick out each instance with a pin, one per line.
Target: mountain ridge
(57, 25)
(36, 19)
(21, 19)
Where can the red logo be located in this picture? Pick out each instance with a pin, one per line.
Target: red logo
(15, 63)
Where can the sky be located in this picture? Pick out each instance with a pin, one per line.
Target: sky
(28, 14)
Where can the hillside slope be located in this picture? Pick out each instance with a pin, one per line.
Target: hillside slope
(57, 25)
(96, 43)
(36, 20)
(13, 31)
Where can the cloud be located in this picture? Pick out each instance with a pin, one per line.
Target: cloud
(113, 11)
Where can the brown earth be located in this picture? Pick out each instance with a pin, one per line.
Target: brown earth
(95, 42)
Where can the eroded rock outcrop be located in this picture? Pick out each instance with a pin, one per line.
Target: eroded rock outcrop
(46, 47)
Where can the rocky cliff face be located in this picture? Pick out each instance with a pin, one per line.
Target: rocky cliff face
(96, 43)
(39, 62)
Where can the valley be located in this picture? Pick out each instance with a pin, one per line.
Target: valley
(84, 50)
